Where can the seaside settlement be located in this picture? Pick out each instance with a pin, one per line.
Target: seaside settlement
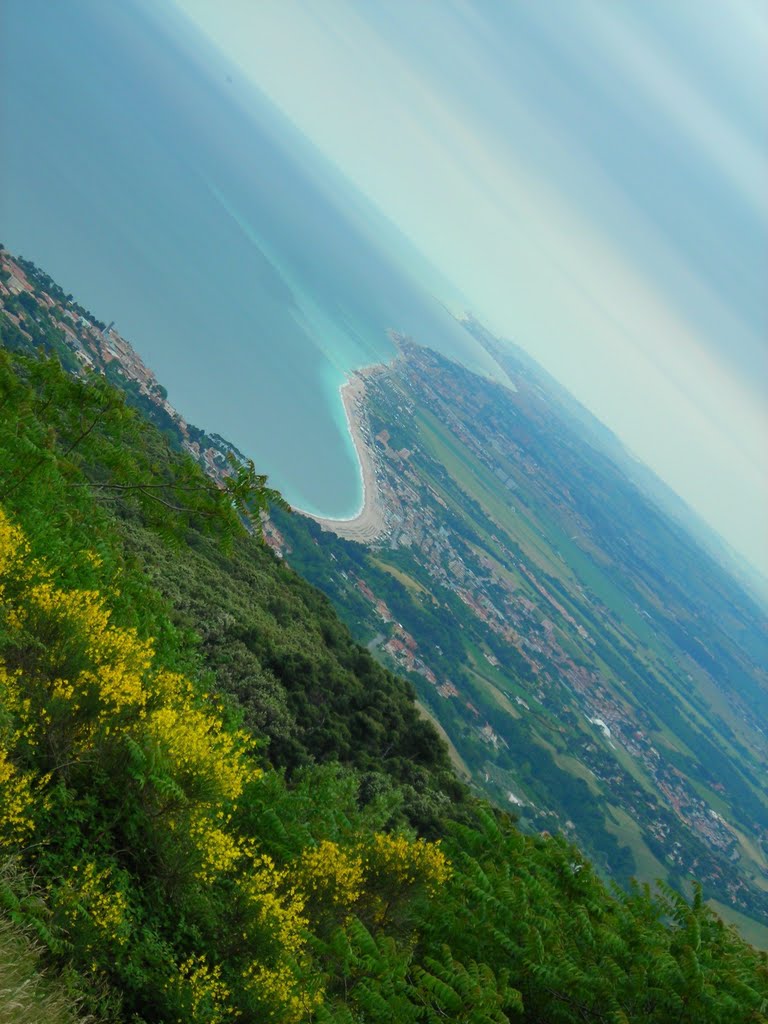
(411, 507)
(507, 595)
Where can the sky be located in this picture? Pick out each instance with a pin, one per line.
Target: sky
(592, 179)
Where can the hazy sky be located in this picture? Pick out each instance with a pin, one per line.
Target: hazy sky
(591, 176)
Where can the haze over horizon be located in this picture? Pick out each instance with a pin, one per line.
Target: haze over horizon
(592, 186)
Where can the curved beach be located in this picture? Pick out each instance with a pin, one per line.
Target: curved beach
(369, 523)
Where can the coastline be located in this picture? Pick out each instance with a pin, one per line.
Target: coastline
(369, 522)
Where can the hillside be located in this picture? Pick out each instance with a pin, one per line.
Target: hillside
(216, 806)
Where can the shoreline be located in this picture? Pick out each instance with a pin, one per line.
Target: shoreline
(369, 522)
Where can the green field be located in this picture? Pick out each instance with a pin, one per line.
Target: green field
(750, 929)
(456, 759)
(408, 581)
(628, 833)
(480, 484)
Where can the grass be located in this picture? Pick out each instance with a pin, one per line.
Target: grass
(497, 678)
(27, 994)
(477, 481)
(408, 581)
(751, 850)
(633, 768)
(557, 555)
(749, 929)
(628, 833)
(513, 580)
(495, 694)
(720, 706)
(576, 561)
(574, 767)
(456, 759)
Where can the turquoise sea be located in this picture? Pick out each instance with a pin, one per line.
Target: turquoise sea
(164, 192)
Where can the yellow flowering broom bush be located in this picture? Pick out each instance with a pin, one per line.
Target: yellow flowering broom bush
(16, 804)
(132, 783)
(91, 897)
(408, 862)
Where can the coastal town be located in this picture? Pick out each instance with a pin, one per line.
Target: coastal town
(535, 653)
(515, 606)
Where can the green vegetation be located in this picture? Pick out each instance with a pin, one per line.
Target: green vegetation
(479, 484)
(27, 996)
(215, 806)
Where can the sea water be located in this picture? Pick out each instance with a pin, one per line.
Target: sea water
(170, 196)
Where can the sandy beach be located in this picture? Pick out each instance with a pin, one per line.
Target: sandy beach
(370, 522)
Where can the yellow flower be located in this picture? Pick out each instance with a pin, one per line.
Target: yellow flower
(202, 989)
(200, 752)
(331, 872)
(280, 984)
(219, 851)
(16, 802)
(91, 894)
(13, 546)
(409, 861)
